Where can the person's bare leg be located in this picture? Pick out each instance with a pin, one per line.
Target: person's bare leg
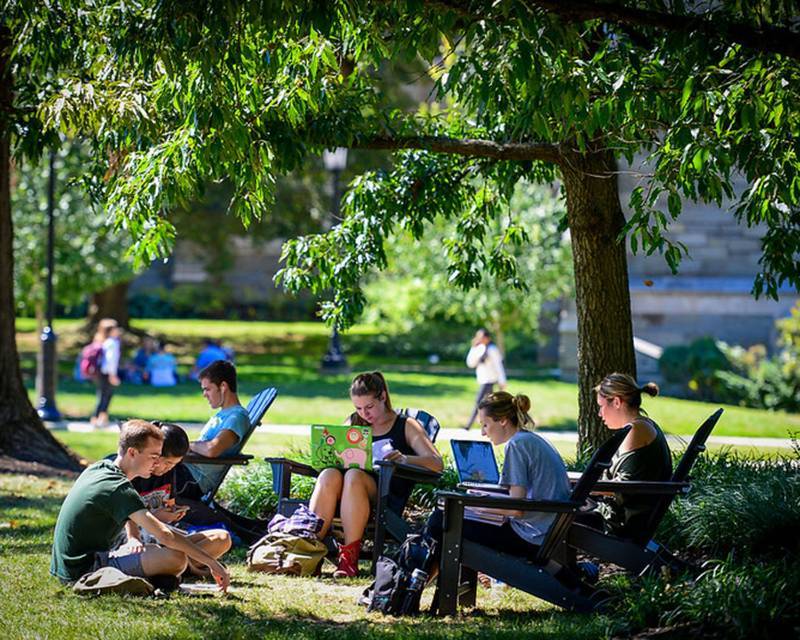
(215, 542)
(162, 561)
(325, 497)
(358, 494)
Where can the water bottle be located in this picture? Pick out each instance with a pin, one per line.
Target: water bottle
(414, 592)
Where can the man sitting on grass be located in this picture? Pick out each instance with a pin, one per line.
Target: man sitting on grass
(158, 493)
(103, 499)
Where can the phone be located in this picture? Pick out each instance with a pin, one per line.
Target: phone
(180, 508)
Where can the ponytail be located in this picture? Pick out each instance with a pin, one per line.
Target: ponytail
(624, 387)
(515, 409)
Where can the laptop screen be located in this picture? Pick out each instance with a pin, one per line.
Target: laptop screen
(475, 461)
(337, 445)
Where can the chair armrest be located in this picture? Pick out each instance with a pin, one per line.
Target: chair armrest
(514, 504)
(410, 471)
(196, 458)
(293, 466)
(642, 487)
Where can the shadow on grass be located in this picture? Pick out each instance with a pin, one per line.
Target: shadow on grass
(220, 620)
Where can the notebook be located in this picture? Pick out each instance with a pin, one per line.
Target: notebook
(338, 445)
(476, 465)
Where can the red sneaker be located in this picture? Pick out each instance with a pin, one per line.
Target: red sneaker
(347, 566)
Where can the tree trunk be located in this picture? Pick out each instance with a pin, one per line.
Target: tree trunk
(602, 295)
(111, 302)
(22, 434)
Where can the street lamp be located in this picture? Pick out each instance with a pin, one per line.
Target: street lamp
(46, 370)
(335, 161)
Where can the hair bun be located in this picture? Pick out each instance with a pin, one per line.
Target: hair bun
(651, 389)
(522, 403)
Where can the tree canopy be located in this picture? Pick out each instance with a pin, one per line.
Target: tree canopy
(175, 94)
(89, 255)
(415, 289)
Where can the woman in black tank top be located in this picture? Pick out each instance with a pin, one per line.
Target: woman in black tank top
(394, 438)
(643, 455)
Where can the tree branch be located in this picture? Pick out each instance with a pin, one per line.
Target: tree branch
(764, 39)
(514, 151)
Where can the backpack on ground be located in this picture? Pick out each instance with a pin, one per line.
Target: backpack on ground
(399, 581)
(285, 553)
(91, 355)
(112, 580)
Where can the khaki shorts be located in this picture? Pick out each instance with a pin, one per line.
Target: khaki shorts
(130, 564)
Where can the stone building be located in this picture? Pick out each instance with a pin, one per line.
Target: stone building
(710, 296)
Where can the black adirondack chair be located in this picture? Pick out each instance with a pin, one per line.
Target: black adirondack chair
(386, 522)
(643, 554)
(545, 572)
(207, 509)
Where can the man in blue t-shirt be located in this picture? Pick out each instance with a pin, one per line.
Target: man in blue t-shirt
(224, 433)
(210, 353)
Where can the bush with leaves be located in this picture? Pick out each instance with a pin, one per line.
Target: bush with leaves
(762, 382)
(741, 523)
(729, 599)
(691, 370)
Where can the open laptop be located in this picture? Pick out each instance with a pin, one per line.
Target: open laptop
(343, 446)
(477, 466)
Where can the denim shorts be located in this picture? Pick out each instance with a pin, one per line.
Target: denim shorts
(130, 564)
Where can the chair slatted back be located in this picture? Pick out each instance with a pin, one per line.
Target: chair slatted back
(681, 473)
(428, 422)
(600, 461)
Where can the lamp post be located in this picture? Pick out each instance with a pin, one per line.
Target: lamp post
(335, 161)
(46, 370)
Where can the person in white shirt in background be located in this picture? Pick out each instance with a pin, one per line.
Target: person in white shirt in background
(486, 359)
(109, 332)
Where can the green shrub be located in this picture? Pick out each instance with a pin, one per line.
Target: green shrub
(691, 369)
(761, 382)
(729, 598)
(250, 493)
(737, 503)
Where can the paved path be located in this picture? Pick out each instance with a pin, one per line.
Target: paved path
(459, 434)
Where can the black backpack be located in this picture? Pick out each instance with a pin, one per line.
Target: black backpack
(399, 580)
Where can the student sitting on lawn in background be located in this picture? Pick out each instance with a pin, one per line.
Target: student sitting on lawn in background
(210, 353)
(103, 499)
(162, 368)
(158, 492)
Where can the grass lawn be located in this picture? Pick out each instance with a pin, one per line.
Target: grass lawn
(286, 355)
(35, 605)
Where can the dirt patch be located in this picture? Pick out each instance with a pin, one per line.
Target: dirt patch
(12, 465)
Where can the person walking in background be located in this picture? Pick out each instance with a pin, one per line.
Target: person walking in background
(106, 344)
(486, 359)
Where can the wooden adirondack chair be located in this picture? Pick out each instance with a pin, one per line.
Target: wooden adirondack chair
(385, 521)
(256, 409)
(545, 572)
(207, 510)
(644, 554)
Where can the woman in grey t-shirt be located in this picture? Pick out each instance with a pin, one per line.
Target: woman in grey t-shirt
(532, 469)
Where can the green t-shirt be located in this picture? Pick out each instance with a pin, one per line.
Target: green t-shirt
(91, 517)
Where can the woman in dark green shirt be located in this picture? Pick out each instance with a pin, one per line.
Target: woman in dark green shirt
(643, 455)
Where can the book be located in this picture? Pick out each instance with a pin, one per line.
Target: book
(496, 519)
